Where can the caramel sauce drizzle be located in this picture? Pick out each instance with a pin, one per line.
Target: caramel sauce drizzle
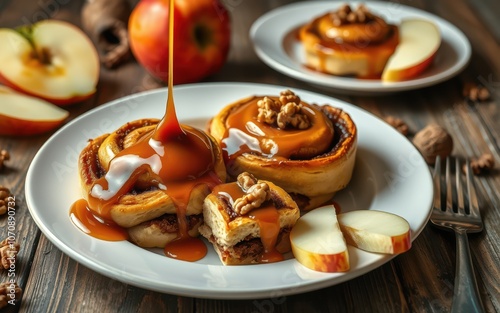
(267, 217)
(178, 157)
(245, 134)
(82, 216)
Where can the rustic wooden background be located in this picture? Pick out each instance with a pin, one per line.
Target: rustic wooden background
(420, 280)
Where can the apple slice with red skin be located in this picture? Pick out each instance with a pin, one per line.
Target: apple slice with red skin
(25, 115)
(317, 242)
(51, 59)
(376, 231)
(419, 41)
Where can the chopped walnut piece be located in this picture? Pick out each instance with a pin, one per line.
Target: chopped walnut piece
(433, 140)
(4, 199)
(9, 292)
(397, 123)
(4, 156)
(475, 92)
(287, 111)
(8, 253)
(290, 115)
(482, 164)
(256, 195)
(288, 96)
(346, 15)
(246, 180)
(268, 110)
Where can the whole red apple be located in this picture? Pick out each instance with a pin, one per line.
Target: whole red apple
(201, 38)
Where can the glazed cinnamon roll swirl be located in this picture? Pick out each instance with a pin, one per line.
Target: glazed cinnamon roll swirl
(306, 149)
(144, 202)
(349, 41)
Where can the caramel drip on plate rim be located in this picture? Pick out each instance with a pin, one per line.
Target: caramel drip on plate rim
(177, 158)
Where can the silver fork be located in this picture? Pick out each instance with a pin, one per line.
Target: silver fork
(464, 218)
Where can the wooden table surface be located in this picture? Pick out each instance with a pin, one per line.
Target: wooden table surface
(420, 280)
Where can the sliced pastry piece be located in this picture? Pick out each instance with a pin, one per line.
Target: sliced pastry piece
(306, 149)
(156, 233)
(249, 221)
(349, 42)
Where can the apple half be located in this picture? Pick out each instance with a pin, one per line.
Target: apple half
(25, 115)
(419, 41)
(376, 231)
(317, 241)
(53, 60)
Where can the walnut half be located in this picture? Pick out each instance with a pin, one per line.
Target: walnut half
(8, 253)
(285, 112)
(246, 180)
(482, 164)
(4, 199)
(398, 124)
(475, 92)
(9, 292)
(256, 194)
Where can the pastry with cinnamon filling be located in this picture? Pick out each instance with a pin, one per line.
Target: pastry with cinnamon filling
(249, 221)
(308, 150)
(130, 190)
(349, 42)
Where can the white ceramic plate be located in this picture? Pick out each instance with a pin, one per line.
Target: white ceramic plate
(390, 175)
(275, 43)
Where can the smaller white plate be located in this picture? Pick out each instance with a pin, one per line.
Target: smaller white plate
(275, 43)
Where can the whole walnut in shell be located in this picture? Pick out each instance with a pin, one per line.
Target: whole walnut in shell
(433, 140)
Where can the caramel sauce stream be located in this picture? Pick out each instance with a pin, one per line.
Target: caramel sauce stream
(177, 157)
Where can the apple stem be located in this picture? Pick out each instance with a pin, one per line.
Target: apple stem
(43, 55)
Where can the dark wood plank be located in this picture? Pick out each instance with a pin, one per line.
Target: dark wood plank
(420, 280)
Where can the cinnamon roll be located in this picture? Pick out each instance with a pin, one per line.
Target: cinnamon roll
(308, 150)
(349, 42)
(149, 205)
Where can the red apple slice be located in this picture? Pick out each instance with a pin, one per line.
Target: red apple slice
(419, 42)
(25, 115)
(317, 242)
(376, 231)
(52, 60)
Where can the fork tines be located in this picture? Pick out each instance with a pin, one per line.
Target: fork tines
(449, 190)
